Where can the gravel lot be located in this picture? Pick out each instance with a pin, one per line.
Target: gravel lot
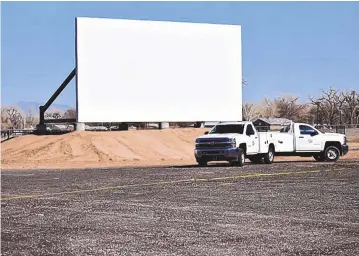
(288, 208)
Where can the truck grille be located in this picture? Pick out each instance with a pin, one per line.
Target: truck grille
(208, 153)
(213, 144)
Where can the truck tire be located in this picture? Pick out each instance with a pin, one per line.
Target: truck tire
(269, 156)
(241, 158)
(256, 159)
(319, 158)
(202, 162)
(331, 154)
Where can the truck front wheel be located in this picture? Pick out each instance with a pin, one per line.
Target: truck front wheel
(241, 158)
(331, 154)
(269, 157)
(202, 162)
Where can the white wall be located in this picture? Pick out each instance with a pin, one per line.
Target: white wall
(148, 71)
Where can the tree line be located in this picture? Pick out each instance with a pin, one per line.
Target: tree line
(331, 107)
(15, 118)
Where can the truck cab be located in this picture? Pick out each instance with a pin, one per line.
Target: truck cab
(229, 141)
(300, 139)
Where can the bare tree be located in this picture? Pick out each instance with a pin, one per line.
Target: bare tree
(70, 113)
(339, 100)
(327, 104)
(351, 106)
(331, 107)
(250, 111)
(30, 117)
(12, 113)
(268, 108)
(288, 107)
(18, 121)
(5, 120)
(15, 117)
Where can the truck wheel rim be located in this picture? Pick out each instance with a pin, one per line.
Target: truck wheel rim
(270, 155)
(332, 154)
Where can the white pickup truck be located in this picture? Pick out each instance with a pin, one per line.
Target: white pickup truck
(235, 141)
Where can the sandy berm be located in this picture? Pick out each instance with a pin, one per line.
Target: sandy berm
(107, 149)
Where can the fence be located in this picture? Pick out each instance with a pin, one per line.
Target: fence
(332, 128)
(10, 133)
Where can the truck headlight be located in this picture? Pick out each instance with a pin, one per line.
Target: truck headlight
(199, 153)
(233, 143)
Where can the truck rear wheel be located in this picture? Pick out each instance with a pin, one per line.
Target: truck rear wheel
(269, 157)
(331, 154)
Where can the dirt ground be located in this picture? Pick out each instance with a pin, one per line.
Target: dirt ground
(106, 149)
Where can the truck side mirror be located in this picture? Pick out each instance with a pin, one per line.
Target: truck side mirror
(205, 133)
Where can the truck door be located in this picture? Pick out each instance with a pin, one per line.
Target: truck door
(307, 139)
(253, 141)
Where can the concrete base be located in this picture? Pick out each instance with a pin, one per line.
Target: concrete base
(80, 126)
(163, 125)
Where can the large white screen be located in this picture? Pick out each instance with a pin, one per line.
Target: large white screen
(152, 71)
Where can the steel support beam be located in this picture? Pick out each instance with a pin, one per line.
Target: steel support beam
(54, 96)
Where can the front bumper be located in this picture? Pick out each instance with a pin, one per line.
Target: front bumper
(345, 149)
(216, 154)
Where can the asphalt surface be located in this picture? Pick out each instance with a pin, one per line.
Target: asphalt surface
(297, 208)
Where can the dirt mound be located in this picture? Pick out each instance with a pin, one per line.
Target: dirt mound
(102, 149)
(89, 149)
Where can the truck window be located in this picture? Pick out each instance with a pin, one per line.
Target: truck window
(228, 128)
(285, 128)
(250, 130)
(306, 130)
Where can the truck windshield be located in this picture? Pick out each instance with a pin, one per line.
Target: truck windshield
(228, 128)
